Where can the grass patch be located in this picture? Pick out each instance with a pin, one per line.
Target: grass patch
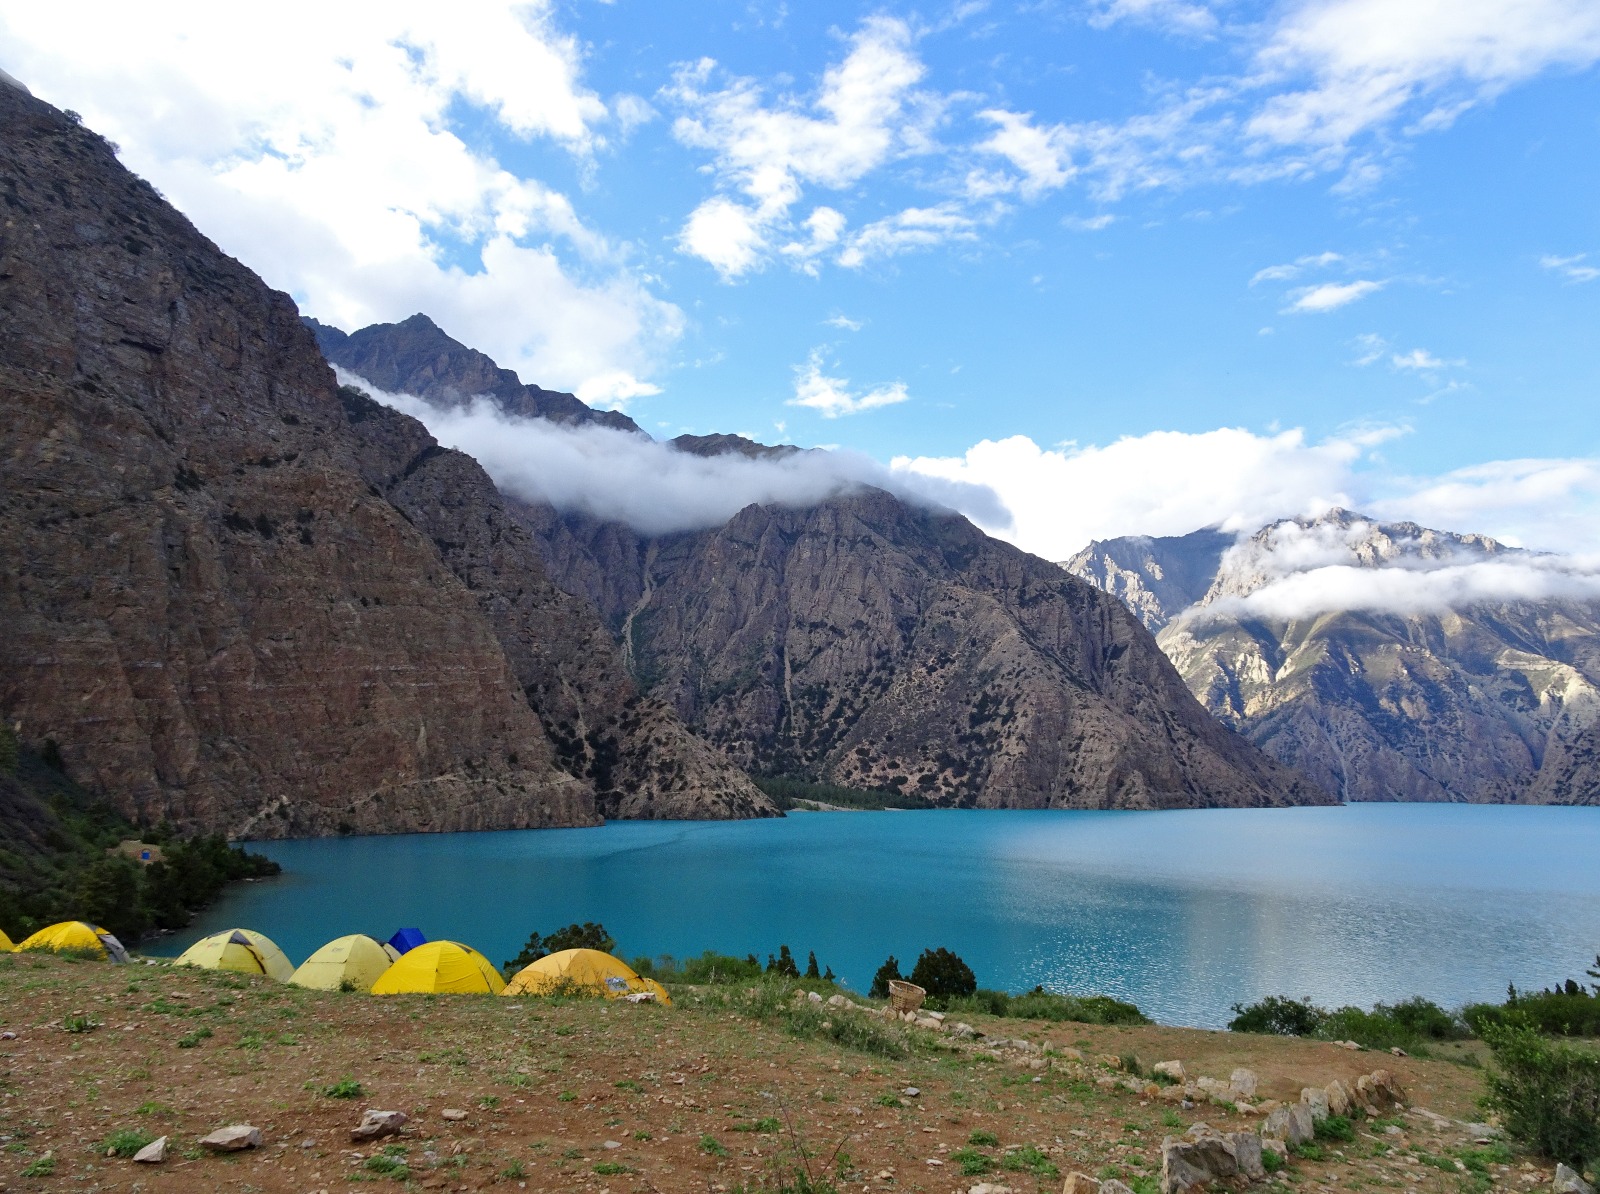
(612, 1168)
(972, 1162)
(1029, 1159)
(983, 1138)
(345, 1088)
(711, 1146)
(1335, 1127)
(124, 1142)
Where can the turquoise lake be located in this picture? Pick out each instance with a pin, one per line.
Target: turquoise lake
(1184, 913)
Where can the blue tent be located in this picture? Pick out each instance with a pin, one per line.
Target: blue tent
(406, 940)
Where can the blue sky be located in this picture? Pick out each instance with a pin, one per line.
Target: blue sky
(1135, 265)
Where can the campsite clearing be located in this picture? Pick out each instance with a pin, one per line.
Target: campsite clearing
(600, 1095)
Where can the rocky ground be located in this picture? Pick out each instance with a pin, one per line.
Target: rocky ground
(552, 1095)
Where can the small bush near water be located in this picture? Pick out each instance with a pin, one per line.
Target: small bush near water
(772, 1001)
(1566, 1009)
(1409, 1025)
(1547, 1092)
(1039, 1004)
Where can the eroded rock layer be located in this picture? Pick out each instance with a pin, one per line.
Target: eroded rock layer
(205, 604)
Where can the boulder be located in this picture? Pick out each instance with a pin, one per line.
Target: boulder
(963, 1031)
(1170, 1069)
(375, 1125)
(1568, 1181)
(232, 1139)
(1292, 1123)
(1081, 1183)
(1244, 1082)
(1338, 1098)
(452, 1113)
(1113, 1186)
(153, 1153)
(1316, 1098)
(1206, 1155)
(837, 1001)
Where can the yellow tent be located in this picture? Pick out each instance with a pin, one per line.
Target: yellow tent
(242, 950)
(440, 967)
(6, 944)
(356, 959)
(75, 936)
(583, 972)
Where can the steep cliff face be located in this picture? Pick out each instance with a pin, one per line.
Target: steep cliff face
(874, 644)
(205, 604)
(641, 759)
(1495, 701)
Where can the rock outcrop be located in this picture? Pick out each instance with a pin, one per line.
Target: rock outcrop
(1493, 701)
(874, 644)
(206, 606)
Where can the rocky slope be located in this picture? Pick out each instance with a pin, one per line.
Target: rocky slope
(1494, 701)
(873, 644)
(206, 606)
(1156, 578)
(866, 642)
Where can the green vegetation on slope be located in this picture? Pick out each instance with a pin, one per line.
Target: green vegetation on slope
(54, 863)
(786, 791)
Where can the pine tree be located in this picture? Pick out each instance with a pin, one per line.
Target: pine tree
(811, 966)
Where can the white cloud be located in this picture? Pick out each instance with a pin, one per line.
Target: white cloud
(1043, 155)
(1572, 268)
(1372, 63)
(652, 486)
(832, 396)
(844, 323)
(613, 391)
(1162, 483)
(726, 234)
(1293, 269)
(1553, 504)
(1420, 360)
(1372, 347)
(1097, 223)
(1173, 15)
(866, 112)
(1398, 589)
(320, 148)
(913, 228)
(1330, 296)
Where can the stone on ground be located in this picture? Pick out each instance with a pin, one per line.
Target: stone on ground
(375, 1125)
(1569, 1182)
(232, 1139)
(153, 1153)
(1081, 1183)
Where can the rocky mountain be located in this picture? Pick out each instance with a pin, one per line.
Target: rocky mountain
(870, 643)
(1156, 578)
(240, 599)
(875, 644)
(416, 357)
(1491, 701)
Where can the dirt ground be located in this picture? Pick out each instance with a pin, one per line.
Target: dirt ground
(613, 1098)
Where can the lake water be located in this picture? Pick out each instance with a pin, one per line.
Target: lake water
(1184, 913)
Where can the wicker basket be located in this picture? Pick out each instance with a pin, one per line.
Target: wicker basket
(904, 996)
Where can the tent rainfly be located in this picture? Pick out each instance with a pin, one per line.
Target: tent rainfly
(440, 967)
(241, 950)
(584, 972)
(406, 940)
(357, 960)
(6, 944)
(76, 936)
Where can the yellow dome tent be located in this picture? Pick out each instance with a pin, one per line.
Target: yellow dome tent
(241, 950)
(6, 944)
(583, 972)
(440, 967)
(76, 936)
(356, 959)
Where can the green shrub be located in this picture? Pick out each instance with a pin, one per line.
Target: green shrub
(1272, 1160)
(708, 969)
(943, 975)
(345, 1088)
(972, 1162)
(1335, 1127)
(1547, 1092)
(1278, 1015)
(983, 1138)
(1563, 1010)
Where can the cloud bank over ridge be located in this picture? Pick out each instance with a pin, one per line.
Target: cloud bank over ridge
(652, 486)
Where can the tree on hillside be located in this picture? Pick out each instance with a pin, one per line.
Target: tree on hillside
(588, 935)
(811, 966)
(942, 974)
(783, 964)
(889, 971)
